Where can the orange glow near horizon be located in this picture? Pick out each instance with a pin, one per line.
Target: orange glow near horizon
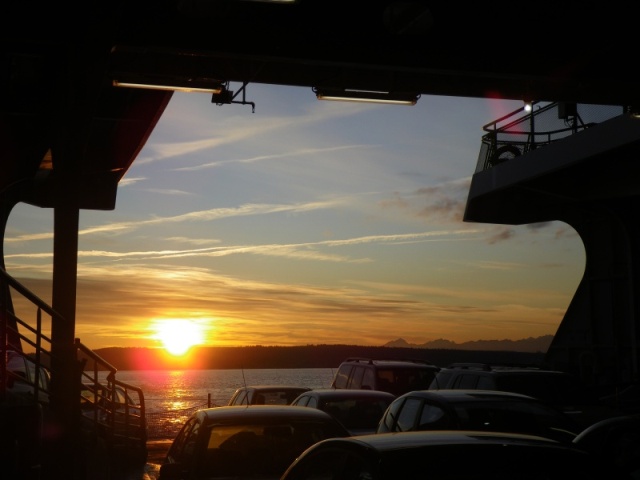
(178, 335)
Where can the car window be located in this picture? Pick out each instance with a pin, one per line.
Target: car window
(408, 414)
(355, 381)
(369, 379)
(336, 409)
(399, 380)
(276, 397)
(241, 399)
(365, 414)
(176, 452)
(191, 443)
(301, 401)
(441, 380)
(485, 383)
(16, 364)
(313, 402)
(388, 420)
(44, 379)
(31, 371)
(432, 417)
(120, 396)
(385, 378)
(465, 381)
(258, 449)
(517, 417)
(342, 377)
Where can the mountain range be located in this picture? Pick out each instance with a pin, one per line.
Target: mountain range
(438, 352)
(530, 344)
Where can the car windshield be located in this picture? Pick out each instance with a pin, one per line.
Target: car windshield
(398, 380)
(276, 397)
(517, 417)
(357, 414)
(258, 449)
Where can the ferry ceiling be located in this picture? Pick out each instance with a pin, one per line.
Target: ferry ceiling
(64, 121)
(69, 129)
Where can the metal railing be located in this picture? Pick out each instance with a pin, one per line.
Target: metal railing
(520, 132)
(110, 408)
(114, 408)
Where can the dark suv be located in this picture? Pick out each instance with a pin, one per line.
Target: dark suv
(560, 389)
(393, 376)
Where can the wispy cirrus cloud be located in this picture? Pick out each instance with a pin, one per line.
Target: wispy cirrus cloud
(232, 133)
(301, 251)
(240, 311)
(126, 181)
(197, 216)
(168, 191)
(296, 153)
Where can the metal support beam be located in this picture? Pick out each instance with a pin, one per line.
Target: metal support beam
(63, 436)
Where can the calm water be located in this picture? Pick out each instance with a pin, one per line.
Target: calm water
(171, 395)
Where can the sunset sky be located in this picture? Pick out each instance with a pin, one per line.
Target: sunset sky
(306, 222)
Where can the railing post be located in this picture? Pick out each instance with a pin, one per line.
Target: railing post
(38, 354)
(532, 130)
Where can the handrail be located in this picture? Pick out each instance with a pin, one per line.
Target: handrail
(514, 135)
(124, 425)
(90, 354)
(32, 297)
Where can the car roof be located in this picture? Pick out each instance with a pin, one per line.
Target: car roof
(468, 394)
(243, 413)
(502, 369)
(391, 363)
(458, 454)
(414, 439)
(274, 387)
(348, 393)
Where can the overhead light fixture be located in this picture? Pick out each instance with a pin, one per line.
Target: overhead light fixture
(173, 84)
(351, 95)
(528, 106)
(223, 97)
(227, 96)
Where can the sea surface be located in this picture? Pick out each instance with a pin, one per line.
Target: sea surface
(172, 395)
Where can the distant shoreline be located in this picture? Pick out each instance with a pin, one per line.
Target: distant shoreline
(309, 356)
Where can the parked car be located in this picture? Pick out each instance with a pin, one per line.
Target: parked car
(393, 376)
(477, 410)
(447, 455)
(257, 441)
(358, 410)
(266, 394)
(25, 402)
(25, 377)
(615, 440)
(560, 389)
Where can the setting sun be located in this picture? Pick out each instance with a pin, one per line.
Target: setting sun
(177, 335)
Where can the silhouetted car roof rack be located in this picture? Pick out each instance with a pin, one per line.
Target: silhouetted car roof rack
(370, 361)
